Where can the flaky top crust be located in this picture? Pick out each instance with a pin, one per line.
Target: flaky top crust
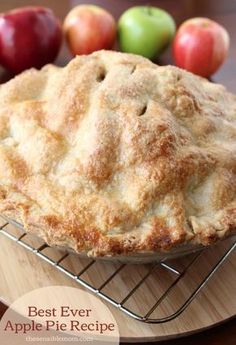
(113, 155)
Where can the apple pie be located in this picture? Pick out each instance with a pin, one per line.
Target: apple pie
(113, 155)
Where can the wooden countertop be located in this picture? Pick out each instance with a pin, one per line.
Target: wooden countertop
(224, 334)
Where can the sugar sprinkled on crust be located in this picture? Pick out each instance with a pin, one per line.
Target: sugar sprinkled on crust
(114, 155)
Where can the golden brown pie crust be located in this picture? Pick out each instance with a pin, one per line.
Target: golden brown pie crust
(116, 155)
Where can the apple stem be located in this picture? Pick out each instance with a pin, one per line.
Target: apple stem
(148, 9)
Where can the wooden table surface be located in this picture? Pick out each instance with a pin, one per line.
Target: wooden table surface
(222, 11)
(224, 334)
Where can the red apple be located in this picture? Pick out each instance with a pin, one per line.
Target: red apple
(200, 46)
(89, 28)
(29, 37)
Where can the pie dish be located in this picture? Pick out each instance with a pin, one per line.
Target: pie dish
(113, 155)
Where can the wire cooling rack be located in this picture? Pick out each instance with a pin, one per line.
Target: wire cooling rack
(160, 290)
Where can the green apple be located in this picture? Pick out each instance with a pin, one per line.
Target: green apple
(145, 30)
